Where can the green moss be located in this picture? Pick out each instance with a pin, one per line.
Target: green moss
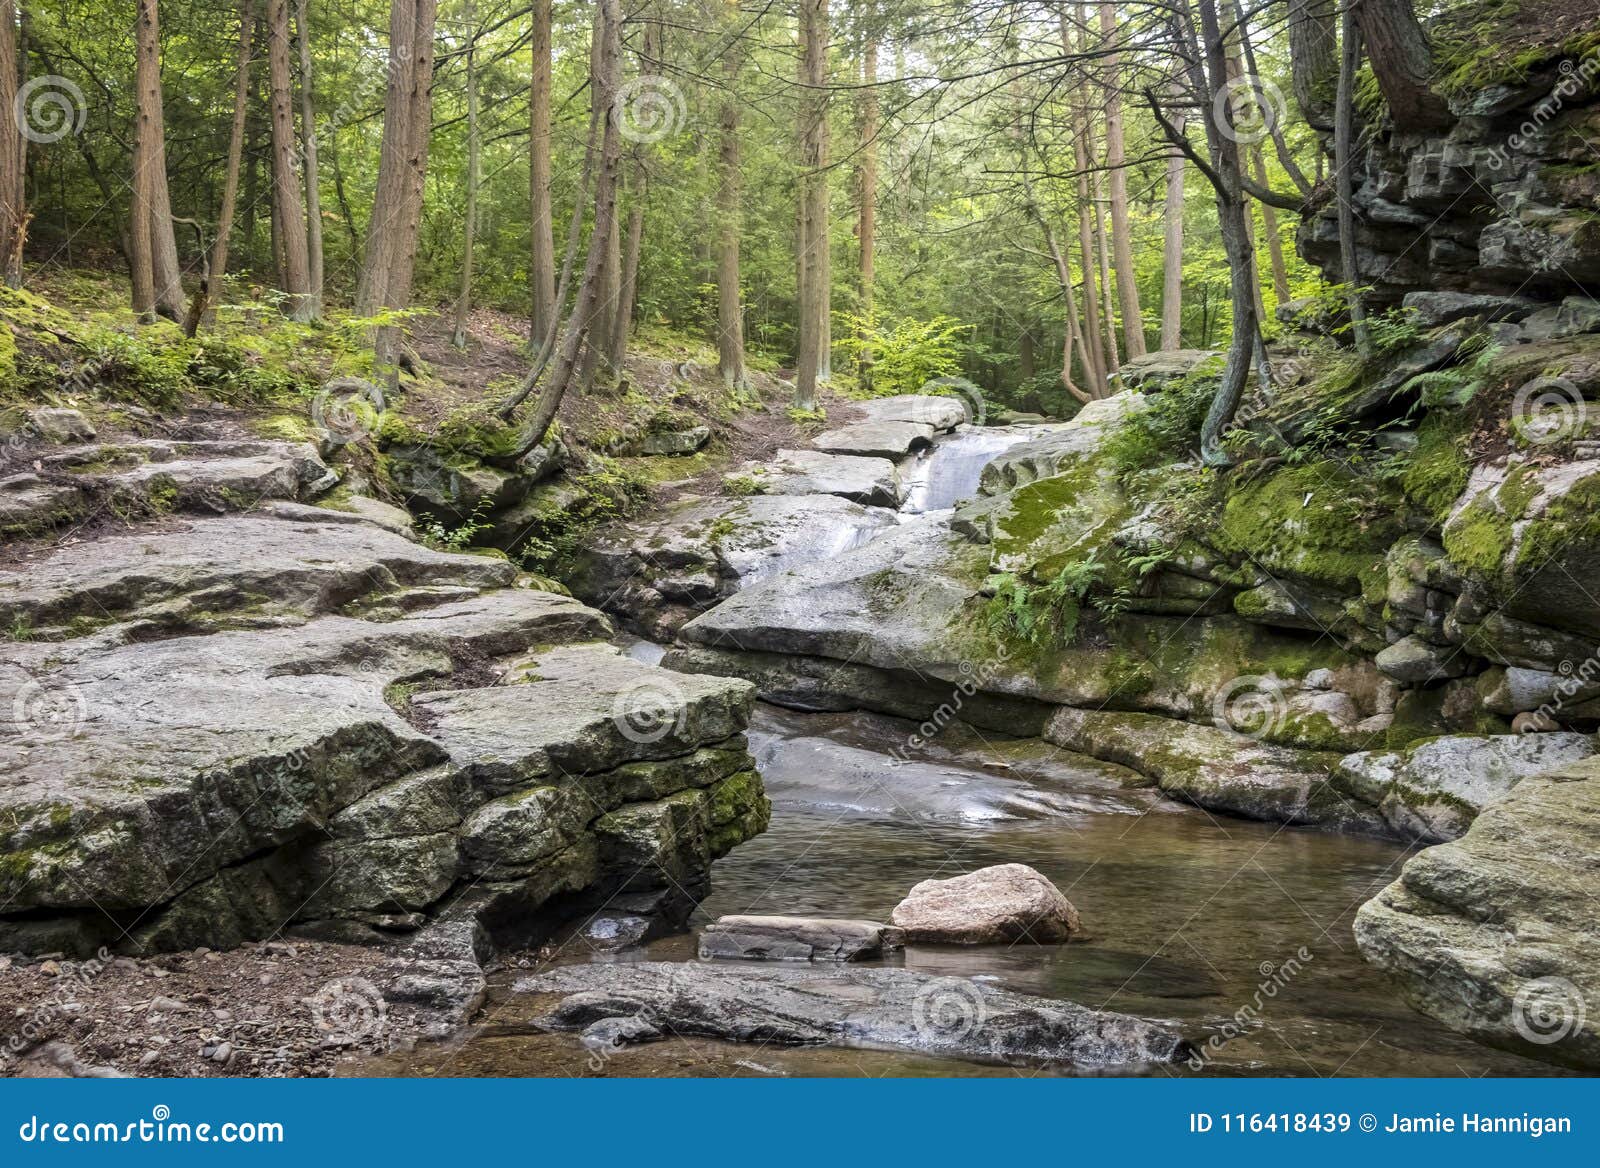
(1318, 522)
(1479, 537)
(1572, 519)
(1439, 468)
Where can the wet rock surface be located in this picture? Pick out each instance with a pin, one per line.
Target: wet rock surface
(893, 1009)
(772, 938)
(1005, 903)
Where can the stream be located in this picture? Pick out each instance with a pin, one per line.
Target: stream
(1229, 927)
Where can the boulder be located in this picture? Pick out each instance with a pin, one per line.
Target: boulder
(996, 905)
(924, 409)
(892, 440)
(47, 424)
(1413, 661)
(1431, 309)
(1152, 372)
(1434, 790)
(1574, 315)
(873, 482)
(845, 1005)
(769, 938)
(1495, 934)
(672, 442)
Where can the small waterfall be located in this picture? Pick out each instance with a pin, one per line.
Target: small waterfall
(948, 472)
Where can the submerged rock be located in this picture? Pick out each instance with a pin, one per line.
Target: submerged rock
(1495, 934)
(769, 938)
(841, 1005)
(994, 905)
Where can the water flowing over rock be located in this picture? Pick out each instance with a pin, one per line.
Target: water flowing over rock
(995, 905)
(888, 1009)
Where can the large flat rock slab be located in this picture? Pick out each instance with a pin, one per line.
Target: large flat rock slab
(1495, 934)
(842, 1005)
(272, 567)
(893, 440)
(773, 938)
(926, 409)
(871, 481)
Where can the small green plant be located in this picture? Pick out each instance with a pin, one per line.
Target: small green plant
(801, 416)
(438, 536)
(1047, 614)
(741, 485)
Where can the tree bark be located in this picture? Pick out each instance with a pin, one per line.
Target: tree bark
(13, 205)
(628, 289)
(217, 265)
(542, 265)
(1344, 183)
(730, 308)
(1172, 253)
(156, 286)
(815, 311)
(1314, 59)
(1402, 61)
(867, 193)
(308, 139)
(1093, 343)
(402, 168)
(607, 68)
(1121, 230)
(464, 300)
(287, 206)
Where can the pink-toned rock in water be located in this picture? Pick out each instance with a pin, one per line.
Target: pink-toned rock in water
(1008, 902)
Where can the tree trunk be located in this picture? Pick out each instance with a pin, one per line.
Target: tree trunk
(402, 168)
(1107, 309)
(542, 266)
(597, 352)
(1402, 61)
(1172, 253)
(1344, 137)
(156, 284)
(1093, 346)
(628, 290)
(1233, 219)
(1121, 231)
(464, 300)
(814, 308)
(217, 265)
(607, 68)
(13, 207)
(1314, 59)
(288, 210)
(730, 309)
(867, 193)
(308, 138)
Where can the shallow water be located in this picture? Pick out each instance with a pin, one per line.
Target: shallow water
(1188, 917)
(949, 470)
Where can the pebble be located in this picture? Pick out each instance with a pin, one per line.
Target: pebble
(223, 1053)
(149, 1057)
(164, 1005)
(50, 968)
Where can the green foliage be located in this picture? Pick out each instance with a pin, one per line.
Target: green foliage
(1043, 615)
(443, 538)
(1168, 429)
(905, 355)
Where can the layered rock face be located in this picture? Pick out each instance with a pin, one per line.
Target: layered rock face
(1502, 202)
(218, 728)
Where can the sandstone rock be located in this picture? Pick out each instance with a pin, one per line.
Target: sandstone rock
(892, 440)
(769, 938)
(844, 1005)
(873, 482)
(995, 905)
(1494, 934)
(1434, 790)
(1431, 309)
(1574, 315)
(936, 410)
(160, 476)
